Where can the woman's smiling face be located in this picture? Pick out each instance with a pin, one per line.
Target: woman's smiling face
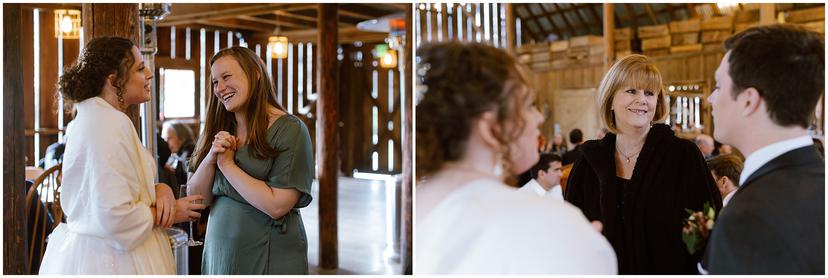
(230, 84)
(634, 107)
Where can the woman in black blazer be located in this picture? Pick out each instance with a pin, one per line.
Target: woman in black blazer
(639, 179)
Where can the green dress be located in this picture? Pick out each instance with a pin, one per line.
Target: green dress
(241, 239)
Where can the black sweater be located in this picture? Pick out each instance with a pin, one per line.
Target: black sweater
(669, 177)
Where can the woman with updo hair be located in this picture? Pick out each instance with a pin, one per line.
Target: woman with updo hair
(115, 213)
(477, 126)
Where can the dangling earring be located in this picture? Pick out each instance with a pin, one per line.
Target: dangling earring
(498, 168)
(120, 94)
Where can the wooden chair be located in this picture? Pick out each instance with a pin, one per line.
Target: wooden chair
(565, 177)
(42, 201)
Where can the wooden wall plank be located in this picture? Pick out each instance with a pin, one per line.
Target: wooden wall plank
(14, 189)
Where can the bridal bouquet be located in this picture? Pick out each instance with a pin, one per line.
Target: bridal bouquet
(697, 228)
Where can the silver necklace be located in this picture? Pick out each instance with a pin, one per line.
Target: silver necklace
(628, 157)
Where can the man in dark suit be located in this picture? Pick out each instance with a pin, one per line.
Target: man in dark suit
(768, 85)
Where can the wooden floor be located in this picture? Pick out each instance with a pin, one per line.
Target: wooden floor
(365, 242)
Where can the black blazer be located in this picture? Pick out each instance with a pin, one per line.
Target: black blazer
(669, 177)
(775, 223)
(572, 155)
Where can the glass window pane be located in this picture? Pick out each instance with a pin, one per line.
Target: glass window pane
(179, 93)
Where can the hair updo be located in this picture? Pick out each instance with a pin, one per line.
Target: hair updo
(459, 82)
(86, 77)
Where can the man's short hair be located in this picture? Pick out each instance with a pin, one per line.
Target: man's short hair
(726, 165)
(786, 64)
(543, 163)
(576, 136)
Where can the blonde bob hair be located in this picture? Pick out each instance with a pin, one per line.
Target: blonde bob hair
(633, 71)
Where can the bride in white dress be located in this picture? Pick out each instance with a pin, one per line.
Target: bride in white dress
(477, 125)
(115, 214)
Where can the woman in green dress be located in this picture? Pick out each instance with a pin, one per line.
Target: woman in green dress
(254, 163)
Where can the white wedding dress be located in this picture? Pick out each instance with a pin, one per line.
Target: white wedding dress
(106, 195)
(486, 227)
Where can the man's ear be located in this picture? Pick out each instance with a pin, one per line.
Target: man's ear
(727, 180)
(750, 101)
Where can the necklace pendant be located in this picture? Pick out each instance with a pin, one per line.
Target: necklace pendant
(628, 160)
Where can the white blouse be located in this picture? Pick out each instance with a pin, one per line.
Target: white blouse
(106, 194)
(486, 227)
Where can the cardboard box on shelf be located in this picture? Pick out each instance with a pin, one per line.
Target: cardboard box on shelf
(655, 43)
(718, 23)
(685, 26)
(653, 31)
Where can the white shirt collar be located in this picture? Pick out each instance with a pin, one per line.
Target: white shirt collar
(535, 187)
(727, 198)
(767, 153)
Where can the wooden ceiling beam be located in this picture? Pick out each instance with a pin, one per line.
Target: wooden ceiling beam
(671, 13)
(691, 10)
(631, 15)
(274, 22)
(346, 35)
(531, 18)
(594, 14)
(551, 21)
(649, 10)
(219, 14)
(355, 14)
(233, 25)
(580, 17)
(566, 21)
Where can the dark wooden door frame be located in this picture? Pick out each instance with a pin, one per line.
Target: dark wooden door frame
(14, 191)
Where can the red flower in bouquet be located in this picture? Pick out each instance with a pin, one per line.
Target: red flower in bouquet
(697, 228)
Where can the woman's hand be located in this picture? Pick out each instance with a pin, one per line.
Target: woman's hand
(164, 205)
(186, 208)
(224, 148)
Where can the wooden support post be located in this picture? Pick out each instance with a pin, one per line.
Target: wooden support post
(326, 136)
(767, 13)
(407, 174)
(609, 35)
(104, 19)
(15, 251)
(510, 28)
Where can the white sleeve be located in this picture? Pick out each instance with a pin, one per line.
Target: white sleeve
(113, 173)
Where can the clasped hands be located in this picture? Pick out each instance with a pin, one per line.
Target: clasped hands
(224, 148)
(169, 211)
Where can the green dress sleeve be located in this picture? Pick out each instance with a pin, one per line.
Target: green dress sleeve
(293, 166)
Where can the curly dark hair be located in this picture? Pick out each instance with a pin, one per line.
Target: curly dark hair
(459, 82)
(86, 77)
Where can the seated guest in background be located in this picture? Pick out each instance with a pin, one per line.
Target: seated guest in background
(476, 126)
(726, 169)
(767, 87)
(640, 179)
(546, 177)
(576, 137)
(179, 138)
(705, 144)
